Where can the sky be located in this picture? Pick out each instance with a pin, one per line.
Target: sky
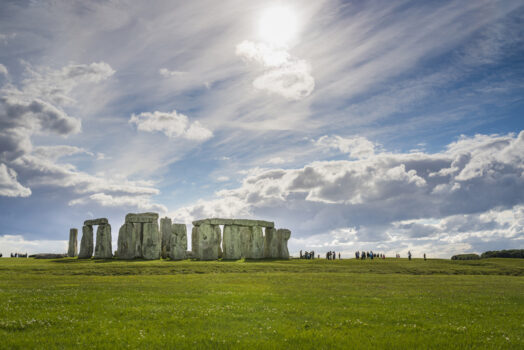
(358, 125)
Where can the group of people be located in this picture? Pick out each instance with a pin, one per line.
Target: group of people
(308, 255)
(332, 256)
(369, 255)
(17, 255)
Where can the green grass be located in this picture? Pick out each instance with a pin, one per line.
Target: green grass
(319, 304)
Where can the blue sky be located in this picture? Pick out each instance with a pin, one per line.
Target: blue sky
(381, 125)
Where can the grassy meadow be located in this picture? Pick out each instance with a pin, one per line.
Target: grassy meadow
(315, 304)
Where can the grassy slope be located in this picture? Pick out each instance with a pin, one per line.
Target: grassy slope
(269, 304)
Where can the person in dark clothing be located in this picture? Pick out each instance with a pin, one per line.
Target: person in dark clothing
(424, 256)
(409, 254)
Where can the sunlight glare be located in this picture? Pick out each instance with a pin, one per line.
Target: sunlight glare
(278, 25)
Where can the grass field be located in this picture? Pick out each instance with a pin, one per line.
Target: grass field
(318, 304)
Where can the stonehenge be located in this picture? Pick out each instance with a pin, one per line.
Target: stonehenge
(141, 237)
(242, 239)
(103, 248)
(72, 250)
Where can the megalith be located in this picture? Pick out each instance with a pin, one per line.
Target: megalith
(165, 233)
(139, 237)
(257, 243)
(283, 236)
(178, 242)
(207, 242)
(271, 244)
(72, 250)
(231, 243)
(103, 249)
(245, 234)
(86, 244)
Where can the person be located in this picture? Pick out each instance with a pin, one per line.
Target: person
(363, 255)
(328, 255)
(357, 255)
(409, 254)
(313, 255)
(334, 255)
(300, 254)
(338, 256)
(424, 256)
(371, 255)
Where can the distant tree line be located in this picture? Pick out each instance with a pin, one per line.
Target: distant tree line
(511, 253)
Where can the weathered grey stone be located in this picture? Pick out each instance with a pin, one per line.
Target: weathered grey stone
(178, 242)
(194, 242)
(126, 241)
(165, 232)
(246, 238)
(231, 244)
(257, 243)
(208, 242)
(271, 244)
(261, 223)
(283, 236)
(103, 249)
(100, 221)
(86, 244)
(72, 250)
(142, 217)
(240, 222)
(151, 241)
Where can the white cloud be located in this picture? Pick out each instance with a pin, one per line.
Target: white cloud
(222, 178)
(172, 124)
(125, 202)
(18, 244)
(166, 73)
(276, 160)
(3, 70)
(283, 74)
(9, 185)
(357, 147)
(391, 198)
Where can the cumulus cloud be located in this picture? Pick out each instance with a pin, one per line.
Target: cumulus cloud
(107, 200)
(9, 186)
(283, 74)
(3, 70)
(172, 124)
(356, 147)
(393, 198)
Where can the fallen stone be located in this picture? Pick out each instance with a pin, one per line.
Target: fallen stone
(86, 244)
(48, 256)
(165, 233)
(142, 217)
(178, 242)
(72, 250)
(103, 249)
(100, 221)
(231, 243)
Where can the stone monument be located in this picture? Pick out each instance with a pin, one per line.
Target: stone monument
(72, 250)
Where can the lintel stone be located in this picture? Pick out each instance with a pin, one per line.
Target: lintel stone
(100, 221)
(142, 217)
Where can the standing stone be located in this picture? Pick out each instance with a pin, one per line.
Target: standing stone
(257, 243)
(231, 244)
(73, 243)
(151, 241)
(271, 246)
(86, 244)
(103, 249)
(283, 236)
(208, 242)
(194, 242)
(126, 243)
(178, 242)
(165, 232)
(246, 238)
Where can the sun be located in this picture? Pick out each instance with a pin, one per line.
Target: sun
(278, 25)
